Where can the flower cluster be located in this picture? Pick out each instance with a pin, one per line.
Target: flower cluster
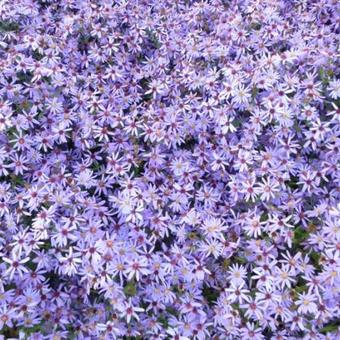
(169, 169)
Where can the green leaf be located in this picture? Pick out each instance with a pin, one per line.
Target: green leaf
(300, 235)
(172, 311)
(130, 289)
(17, 180)
(254, 92)
(163, 320)
(315, 257)
(264, 217)
(210, 294)
(7, 26)
(332, 327)
(300, 289)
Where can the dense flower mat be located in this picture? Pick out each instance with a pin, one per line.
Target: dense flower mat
(169, 169)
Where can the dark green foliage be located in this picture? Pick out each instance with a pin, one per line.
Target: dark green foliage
(130, 289)
(8, 26)
(210, 294)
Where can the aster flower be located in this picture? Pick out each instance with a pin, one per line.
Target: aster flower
(237, 293)
(129, 311)
(237, 274)
(213, 227)
(136, 268)
(253, 309)
(241, 95)
(63, 235)
(251, 332)
(267, 189)
(16, 265)
(6, 317)
(18, 164)
(69, 262)
(334, 88)
(211, 247)
(253, 226)
(306, 303)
